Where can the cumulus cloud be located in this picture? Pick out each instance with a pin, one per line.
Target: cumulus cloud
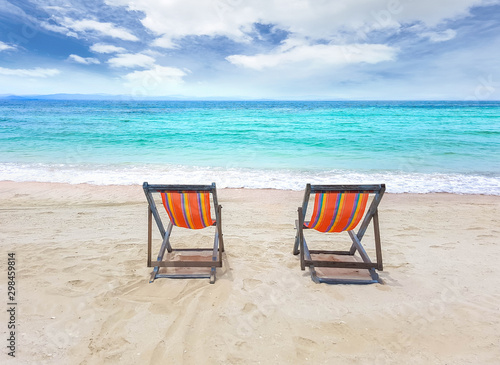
(103, 28)
(332, 33)
(320, 54)
(131, 60)
(106, 48)
(171, 20)
(34, 72)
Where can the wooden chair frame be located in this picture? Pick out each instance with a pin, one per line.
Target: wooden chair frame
(218, 246)
(300, 245)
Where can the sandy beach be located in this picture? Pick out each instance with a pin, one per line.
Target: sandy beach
(83, 295)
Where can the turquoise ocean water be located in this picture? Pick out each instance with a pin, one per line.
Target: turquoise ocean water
(414, 147)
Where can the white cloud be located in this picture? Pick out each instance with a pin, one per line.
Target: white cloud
(317, 55)
(131, 60)
(106, 29)
(158, 80)
(159, 73)
(173, 19)
(5, 47)
(440, 36)
(34, 72)
(106, 48)
(164, 42)
(58, 29)
(83, 60)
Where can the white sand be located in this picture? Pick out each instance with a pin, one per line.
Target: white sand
(84, 298)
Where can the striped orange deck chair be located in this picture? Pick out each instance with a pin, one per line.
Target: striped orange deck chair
(339, 208)
(186, 206)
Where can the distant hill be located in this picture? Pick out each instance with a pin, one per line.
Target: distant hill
(82, 97)
(116, 97)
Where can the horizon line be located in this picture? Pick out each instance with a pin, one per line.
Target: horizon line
(125, 97)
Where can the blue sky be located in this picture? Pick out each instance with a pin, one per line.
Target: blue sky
(281, 49)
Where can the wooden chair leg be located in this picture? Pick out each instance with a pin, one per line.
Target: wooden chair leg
(296, 244)
(378, 245)
(150, 234)
(300, 231)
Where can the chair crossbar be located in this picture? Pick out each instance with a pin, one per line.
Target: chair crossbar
(183, 276)
(326, 252)
(340, 265)
(186, 263)
(346, 188)
(192, 249)
(375, 279)
(157, 188)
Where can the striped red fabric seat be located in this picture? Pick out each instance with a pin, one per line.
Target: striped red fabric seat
(337, 212)
(188, 209)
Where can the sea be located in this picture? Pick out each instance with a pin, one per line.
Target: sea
(411, 146)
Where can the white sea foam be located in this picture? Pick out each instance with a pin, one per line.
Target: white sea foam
(247, 178)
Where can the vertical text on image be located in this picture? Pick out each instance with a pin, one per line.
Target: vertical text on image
(11, 304)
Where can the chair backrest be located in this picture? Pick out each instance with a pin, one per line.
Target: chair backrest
(188, 209)
(187, 206)
(340, 208)
(337, 212)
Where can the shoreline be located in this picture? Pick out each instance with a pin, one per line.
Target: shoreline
(232, 176)
(84, 296)
(118, 186)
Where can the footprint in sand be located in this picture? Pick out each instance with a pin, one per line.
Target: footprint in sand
(485, 236)
(77, 283)
(159, 353)
(383, 287)
(249, 307)
(251, 283)
(445, 246)
(305, 347)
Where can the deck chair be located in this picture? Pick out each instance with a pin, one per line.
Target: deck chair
(339, 208)
(187, 206)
